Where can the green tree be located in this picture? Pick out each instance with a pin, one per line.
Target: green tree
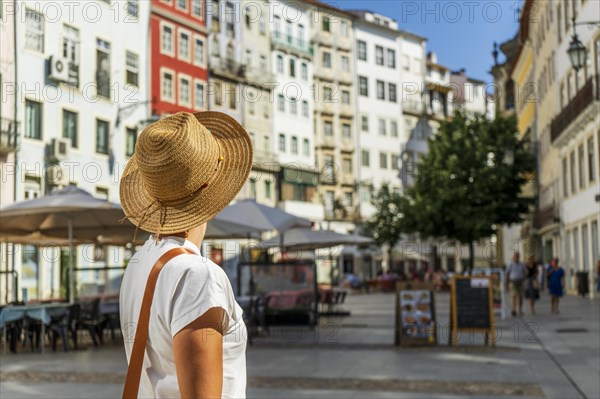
(471, 179)
(390, 219)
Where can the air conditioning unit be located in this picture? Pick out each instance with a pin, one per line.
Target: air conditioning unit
(59, 69)
(59, 149)
(57, 176)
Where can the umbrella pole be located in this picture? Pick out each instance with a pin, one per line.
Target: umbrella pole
(71, 280)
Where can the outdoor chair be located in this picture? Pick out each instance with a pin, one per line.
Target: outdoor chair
(110, 321)
(88, 319)
(64, 325)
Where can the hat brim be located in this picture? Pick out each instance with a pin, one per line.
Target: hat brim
(236, 148)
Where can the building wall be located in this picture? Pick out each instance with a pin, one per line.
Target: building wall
(579, 183)
(95, 168)
(382, 146)
(171, 59)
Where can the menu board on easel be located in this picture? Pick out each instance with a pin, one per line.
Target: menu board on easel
(472, 307)
(415, 314)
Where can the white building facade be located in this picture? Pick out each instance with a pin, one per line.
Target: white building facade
(82, 99)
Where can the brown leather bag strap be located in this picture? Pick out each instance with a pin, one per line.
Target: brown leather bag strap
(134, 371)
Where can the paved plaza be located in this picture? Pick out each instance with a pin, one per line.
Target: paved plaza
(553, 356)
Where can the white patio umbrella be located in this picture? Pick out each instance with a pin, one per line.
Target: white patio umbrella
(302, 238)
(69, 213)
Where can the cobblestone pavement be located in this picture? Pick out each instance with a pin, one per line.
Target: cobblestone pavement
(353, 357)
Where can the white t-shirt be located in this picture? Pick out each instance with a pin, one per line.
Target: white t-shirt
(187, 287)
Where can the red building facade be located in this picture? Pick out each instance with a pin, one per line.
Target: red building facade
(179, 51)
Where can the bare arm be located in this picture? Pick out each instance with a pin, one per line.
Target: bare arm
(198, 351)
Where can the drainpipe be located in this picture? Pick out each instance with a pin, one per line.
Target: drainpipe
(17, 141)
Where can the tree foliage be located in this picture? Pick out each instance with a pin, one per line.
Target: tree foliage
(471, 179)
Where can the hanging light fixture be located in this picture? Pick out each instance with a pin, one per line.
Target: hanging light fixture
(576, 51)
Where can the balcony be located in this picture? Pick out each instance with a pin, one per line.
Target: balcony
(265, 160)
(8, 135)
(546, 216)
(588, 94)
(259, 76)
(288, 43)
(412, 107)
(228, 68)
(348, 179)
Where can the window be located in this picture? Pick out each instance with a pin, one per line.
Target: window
(294, 145)
(382, 160)
(268, 189)
(294, 106)
(263, 63)
(379, 55)
(266, 110)
(199, 96)
(345, 97)
(279, 65)
(326, 25)
(362, 50)
(167, 40)
(251, 106)
(391, 58)
(394, 129)
(585, 247)
(347, 166)
(132, 68)
(184, 46)
(282, 142)
(581, 154)
(71, 46)
(70, 127)
(131, 138)
(232, 92)
(405, 63)
(198, 51)
(365, 161)
(382, 127)
(103, 70)
(197, 8)
(363, 86)
(34, 31)
(182, 4)
(392, 92)
(306, 148)
(591, 159)
(305, 108)
(395, 161)
(328, 94)
(184, 91)
(33, 120)
(565, 173)
(348, 199)
(595, 241)
(344, 28)
(572, 175)
(215, 50)
(218, 93)
(380, 90)
(346, 132)
(277, 26)
(364, 123)
(326, 62)
(345, 63)
(292, 67)
(328, 128)
(252, 183)
(167, 86)
(280, 103)
(304, 71)
(101, 136)
(229, 17)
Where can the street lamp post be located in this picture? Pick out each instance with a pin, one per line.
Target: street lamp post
(577, 51)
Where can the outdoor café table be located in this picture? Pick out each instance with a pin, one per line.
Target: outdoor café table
(41, 312)
(109, 307)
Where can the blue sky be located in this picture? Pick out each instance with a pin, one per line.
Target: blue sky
(460, 32)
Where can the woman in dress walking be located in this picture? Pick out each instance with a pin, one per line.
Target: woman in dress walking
(556, 284)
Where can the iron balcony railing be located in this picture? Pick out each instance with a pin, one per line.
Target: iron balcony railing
(589, 93)
(8, 135)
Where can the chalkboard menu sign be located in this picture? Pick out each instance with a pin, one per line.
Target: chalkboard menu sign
(472, 306)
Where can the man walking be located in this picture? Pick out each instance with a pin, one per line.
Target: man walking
(515, 275)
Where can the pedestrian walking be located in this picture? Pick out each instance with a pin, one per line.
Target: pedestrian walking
(532, 292)
(598, 276)
(515, 277)
(190, 341)
(556, 284)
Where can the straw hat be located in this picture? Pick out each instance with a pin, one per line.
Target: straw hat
(186, 169)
